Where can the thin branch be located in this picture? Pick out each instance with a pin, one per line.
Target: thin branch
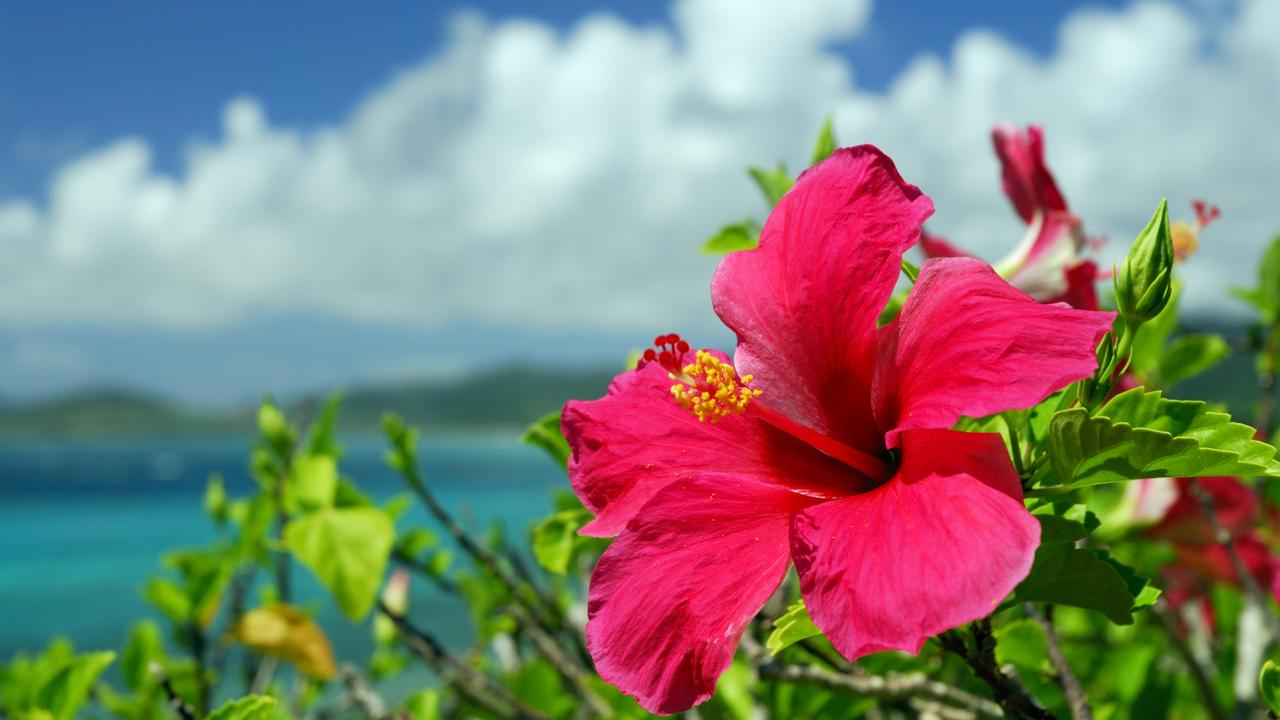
(522, 591)
(363, 695)
(1076, 698)
(577, 676)
(199, 650)
(1201, 674)
(480, 688)
(446, 585)
(891, 687)
(981, 658)
(175, 701)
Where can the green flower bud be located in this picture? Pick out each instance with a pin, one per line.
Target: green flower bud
(1145, 283)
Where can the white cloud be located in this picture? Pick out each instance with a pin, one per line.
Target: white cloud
(528, 177)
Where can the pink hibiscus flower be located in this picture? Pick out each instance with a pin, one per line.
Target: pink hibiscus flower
(831, 449)
(1201, 560)
(1047, 264)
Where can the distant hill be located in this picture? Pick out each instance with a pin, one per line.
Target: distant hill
(510, 397)
(108, 411)
(507, 398)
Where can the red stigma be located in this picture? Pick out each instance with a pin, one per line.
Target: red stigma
(668, 350)
(1205, 213)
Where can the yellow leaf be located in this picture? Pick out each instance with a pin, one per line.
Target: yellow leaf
(288, 633)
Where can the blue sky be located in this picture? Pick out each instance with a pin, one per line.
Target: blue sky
(79, 75)
(213, 201)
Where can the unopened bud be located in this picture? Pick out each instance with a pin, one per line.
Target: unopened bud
(1145, 283)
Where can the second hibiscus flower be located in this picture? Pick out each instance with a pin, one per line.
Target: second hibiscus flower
(824, 443)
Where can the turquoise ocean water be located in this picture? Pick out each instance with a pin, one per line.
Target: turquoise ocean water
(83, 525)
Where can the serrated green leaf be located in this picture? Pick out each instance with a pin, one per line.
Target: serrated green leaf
(63, 695)
(252, 707)
(347, 549)
(794, 625)
(1059, 529)
(735, 236)
(1144, 594)
(825, 144)
(773, 183)
(545, 433)
(1140, 434)
(1065, 575)
(1190, 355)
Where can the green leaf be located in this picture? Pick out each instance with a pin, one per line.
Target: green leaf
(555, 536)
(321, 434)
(773, 183)
(742, 235)
(794, 625)
(545, 433)
(145, 646)
(1191, 355)
(215, 499)
(205, 575)
(1065, 575)
(273, 426)
(314, 482)
(251, 707)
(825, 144)
(1265, 298)
(63, 695)
(1023, 644)
(1149, 342)
(412, 542)
(1143, 592)
(1066, 524)
(734, 691)
(1269, 684)
(168, 598)
(347, 549)
(423, 705)
(1140, 434)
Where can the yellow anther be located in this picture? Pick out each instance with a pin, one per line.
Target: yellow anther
(711, 388)
(1186, 239)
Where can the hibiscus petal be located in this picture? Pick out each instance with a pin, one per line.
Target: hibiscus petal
(636, 440)
(1027, 180)
(1212, 562)
(933, 246)
(938, 546)
(670, 597)
(804, 303)
(968, 343)
(1234, 503)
